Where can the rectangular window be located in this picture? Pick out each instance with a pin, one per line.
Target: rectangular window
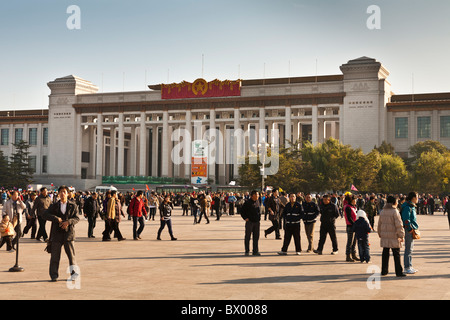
(445, 127)
(44, 164)
(32, 136)
(45, 136)
(32, 163)
(18, 135)
(424, 127)
(401, 128)
(5, 137)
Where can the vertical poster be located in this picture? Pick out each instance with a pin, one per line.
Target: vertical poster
(199, 163)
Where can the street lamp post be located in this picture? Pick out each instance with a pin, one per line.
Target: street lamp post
(261, 145)
(16, 267)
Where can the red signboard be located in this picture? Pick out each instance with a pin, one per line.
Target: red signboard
(200, 88)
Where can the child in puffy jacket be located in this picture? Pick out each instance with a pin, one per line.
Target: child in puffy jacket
(7, 232)
(362, 228)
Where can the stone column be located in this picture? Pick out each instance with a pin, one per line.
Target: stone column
(120, 147)
(315, 125)
(112, 151)
(142, 145)
(187, 145)
(132, 152)
(78, 145)
(99, 161)
(288, 127)
(165, 145)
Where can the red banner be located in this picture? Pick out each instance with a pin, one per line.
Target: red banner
(201, 89)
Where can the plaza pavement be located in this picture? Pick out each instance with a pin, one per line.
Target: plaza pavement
(207, 263)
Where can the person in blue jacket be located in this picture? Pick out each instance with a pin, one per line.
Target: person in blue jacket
(409, 218)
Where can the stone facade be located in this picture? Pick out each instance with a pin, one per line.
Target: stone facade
(128, 134)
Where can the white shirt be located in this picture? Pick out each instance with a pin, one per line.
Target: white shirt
(63, 207)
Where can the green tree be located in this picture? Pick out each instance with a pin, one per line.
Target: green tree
(370, 166)
(385, 148)
(392, 176)
(427, 146)
(21, 174)
(336, 165)
(432, 172)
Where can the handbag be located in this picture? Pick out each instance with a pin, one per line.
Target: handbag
(415, 234)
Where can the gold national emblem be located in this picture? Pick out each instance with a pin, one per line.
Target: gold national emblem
(200, 86)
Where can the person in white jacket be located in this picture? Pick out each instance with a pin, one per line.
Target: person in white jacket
(15, 207)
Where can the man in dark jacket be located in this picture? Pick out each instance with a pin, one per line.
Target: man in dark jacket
(252, 215)
(274, 209)
(328, 214)
(64, 216)
(41, 204)
(292, 214)
(91, 210)
(311, 212)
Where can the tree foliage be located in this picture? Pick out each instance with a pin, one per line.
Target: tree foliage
(332, 166)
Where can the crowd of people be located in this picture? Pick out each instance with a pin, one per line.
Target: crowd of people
(396, 224)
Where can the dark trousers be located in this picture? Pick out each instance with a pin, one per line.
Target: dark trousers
(8, 241)
(251, 231)
(218, 213)
(107, 231)
(325, 229)
(231, 208)
(91, 225)
(169, 226)
(275, 227)
(363, 248)
(152, 213)
(41, 231)
(291, 230)
(194, 212)
(309, 230)
(110, 226)
(351, 241)
(56, 256)
(203, 213)
(385, 261)
(137, 232)
(31, 224)
(185, 209)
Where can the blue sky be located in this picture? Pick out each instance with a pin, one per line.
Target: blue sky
(153, 41)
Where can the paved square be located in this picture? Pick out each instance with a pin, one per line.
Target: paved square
(207, 263)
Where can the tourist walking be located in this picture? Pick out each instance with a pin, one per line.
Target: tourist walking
(7, 232)
(14, 207)
(203, 208)
(251, 213)
(292, 215)
(409, 218)
(137, 212)
(350, 218)
(30, 216)
(362, 228)
(311, 212)
(391, 232)
(41, 204)
(328, 213)
(64, 216)
(273, 207)
(91, 209)
(113, 216)
(165, 210)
